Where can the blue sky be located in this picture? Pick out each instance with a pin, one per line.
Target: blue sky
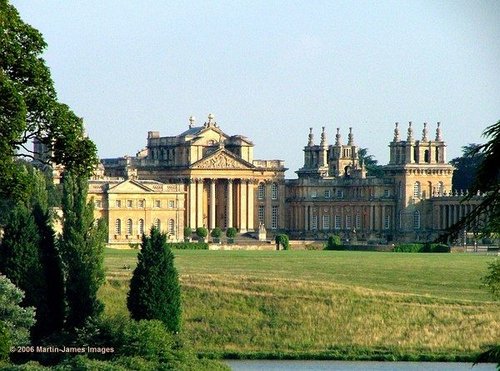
(272, 69)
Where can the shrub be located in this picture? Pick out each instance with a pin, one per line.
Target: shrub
(188, 232)
(4, 343)
(231, 234)
(492, 278)
(282, 239)
(334, 243)
(188, 245)
(438, 247)
(201, 232)
(154, 287)
(216, 232)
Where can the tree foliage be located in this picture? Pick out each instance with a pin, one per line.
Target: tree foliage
(371, 165)
(154, 288)
(492, 279)
(487, 181)
(14, 319)
(466, 167)
(82, 247)
(29, 107)
(334, 243)
(283, 241)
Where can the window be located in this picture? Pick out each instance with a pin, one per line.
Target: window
(157, 203)
(141, 226)
(387, 221)
(118, 203)
(314, 194)
(118, 226)
(171, 204)
(129, 226)
(140, 203)
(357, 221)
(387, 193)
(416, 220)
(157, 224)
(274, 191)
(274, 217)
(337, 221)
(348, 222)
(314, 222)
(261, 214)
(261, 191)
(340, 193)
(328, 193)
(171, 226)
(129, 204)
(416, 190)
(326, 222)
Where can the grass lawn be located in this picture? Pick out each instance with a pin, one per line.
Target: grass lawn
(326, 304)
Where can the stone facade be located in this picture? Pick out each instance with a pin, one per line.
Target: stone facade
(204, 177)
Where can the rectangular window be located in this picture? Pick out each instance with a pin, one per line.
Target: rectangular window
(274, 191)
(261, 191)
(348, 222)
(357, 221)
(118, 203)
(337, 222)
(340, 193)
(157, 203)
(387, 222)
(328, 193)
(261, 214)
(386, 193)
(314, 194)
(314, 222)
(129, 204)
(326, 222)
(140, 203)
(171, 204)
(274, 217)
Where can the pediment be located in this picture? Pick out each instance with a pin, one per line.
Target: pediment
(210, 134)
(221, 159)
(129, 186)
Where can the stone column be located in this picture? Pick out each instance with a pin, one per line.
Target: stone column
(229, 203)
(243, 206)
(306, 218)
(199, 203)
(250, 205)
(192, 204)
(212, 204)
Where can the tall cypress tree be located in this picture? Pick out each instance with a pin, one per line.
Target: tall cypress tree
(82, 248)
(154, 288)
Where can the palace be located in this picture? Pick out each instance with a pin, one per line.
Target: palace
(204, 177)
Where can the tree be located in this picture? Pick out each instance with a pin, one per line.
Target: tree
(371, 165)
(487, 181)
(187, 233)
(14, 319)
(216, 233)
(231, 234)
(82, 248)
(29, 108)
(29, 256)
(154, 287)
(466, 167)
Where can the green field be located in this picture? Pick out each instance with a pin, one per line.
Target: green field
(326, 304)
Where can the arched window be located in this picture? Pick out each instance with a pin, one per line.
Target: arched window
(416, 190)
(261, 191)
(118, 226)
(416, 220)
(141, 226)
(274, 191)
(157, 224)
(171, 226)
(129, 226)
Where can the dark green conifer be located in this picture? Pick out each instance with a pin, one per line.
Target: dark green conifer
(154, 288)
